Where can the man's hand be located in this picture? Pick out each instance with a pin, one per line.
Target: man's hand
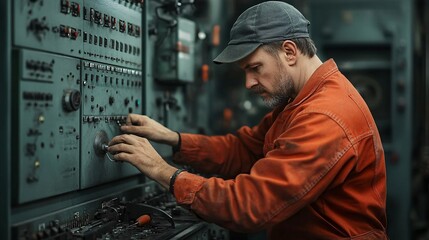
(140, 153)
(146, 127)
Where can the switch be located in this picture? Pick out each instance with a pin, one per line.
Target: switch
(41, 119)
(130, 29)
(106, 20)
(65, 6)
(137, 31)
(28, 95)
(91, 14)
(30, 149)
(71, 100)
(75, 9)
(37, 163)
(74, 34)
(85, 17)
(121, 26)
(46, 67)
(38, 27)
(49, 97)
(113, 22)
(30, 64)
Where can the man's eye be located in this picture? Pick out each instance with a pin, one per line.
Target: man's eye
(256, 68)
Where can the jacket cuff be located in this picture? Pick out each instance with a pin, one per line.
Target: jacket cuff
(184, 153)
(186, 186)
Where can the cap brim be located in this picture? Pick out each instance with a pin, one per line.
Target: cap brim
(234, 53)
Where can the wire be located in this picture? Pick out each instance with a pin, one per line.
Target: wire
(110, 159)
(104, 147)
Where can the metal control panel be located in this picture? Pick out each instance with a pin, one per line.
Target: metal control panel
(48, 123)
(104, 31)
(79, 74)
(175, 56)
(109, 94)
(73, 70)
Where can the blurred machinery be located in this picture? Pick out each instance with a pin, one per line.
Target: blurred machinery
(372, 43)
(420, 187)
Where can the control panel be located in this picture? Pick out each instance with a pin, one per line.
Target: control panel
(104, 31)
(75, 70)
(109, 94)
(48, 125)
(79, 74)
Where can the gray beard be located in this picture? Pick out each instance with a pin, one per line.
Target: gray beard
(280, 97)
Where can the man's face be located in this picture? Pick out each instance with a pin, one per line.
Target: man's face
(266, 75)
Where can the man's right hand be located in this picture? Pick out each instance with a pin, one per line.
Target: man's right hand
(146, 127)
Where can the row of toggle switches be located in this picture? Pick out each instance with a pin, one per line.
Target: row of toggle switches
(109, 68)
(117, 119)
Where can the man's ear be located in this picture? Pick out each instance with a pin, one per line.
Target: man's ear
(291, 51)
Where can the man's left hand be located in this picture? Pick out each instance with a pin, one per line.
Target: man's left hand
(139, 152)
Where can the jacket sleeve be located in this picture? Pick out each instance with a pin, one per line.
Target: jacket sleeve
(304, 160)
(226, 155)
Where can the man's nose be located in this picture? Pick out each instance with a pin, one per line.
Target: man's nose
(250, 81)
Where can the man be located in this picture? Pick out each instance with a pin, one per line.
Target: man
(313, 168)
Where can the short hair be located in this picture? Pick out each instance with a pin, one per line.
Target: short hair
(305, 45)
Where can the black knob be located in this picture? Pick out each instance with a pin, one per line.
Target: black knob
(71, 100)
(111, 100)
(126, 101)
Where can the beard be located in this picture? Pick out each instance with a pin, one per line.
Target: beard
(282, 94)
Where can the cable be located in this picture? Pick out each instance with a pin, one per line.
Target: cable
(104, 147)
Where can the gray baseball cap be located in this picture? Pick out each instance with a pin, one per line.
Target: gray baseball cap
(266, 22)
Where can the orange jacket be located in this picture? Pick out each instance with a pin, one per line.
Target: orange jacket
(311, 170)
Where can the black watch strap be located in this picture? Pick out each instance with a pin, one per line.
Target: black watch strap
(176, 148)
(173, 179)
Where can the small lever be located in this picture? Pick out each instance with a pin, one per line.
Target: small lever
(104, 147)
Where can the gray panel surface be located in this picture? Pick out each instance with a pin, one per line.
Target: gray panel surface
(108, 94)
(41, 25)
(48, 153)
(112, 33)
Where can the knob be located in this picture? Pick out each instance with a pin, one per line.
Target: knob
(71, 100)
(100, 143)
(111, 100)
(126, 101)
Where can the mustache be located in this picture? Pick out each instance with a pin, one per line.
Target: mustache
(257, 89)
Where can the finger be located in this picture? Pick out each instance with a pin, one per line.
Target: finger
(131, 129)
(121, 147)
(117, 139)
(124, 138)
(122, 156)
(134, 139)
(134, 119)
